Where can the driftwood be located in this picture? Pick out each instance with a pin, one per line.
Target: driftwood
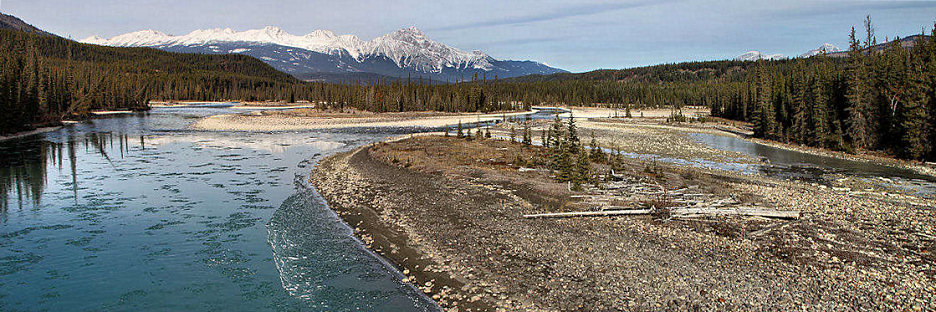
(736, 211)
(690, 202)
(679, 212)
(603, 213)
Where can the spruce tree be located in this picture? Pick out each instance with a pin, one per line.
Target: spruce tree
(930, 67)
(543, 140)
(527, 133)
(572, 139)
(860, 112)
(820, 113)
(581, 171)
(911, 116)
(595, 152)
(801, 112)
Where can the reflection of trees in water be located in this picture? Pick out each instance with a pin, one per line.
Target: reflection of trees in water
(25, 163)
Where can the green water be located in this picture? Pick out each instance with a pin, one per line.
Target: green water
(136, 213)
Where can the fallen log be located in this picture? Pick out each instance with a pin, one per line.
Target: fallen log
(678, 212)
(737, 211)
(589, 213)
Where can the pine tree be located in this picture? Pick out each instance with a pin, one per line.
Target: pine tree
(581, 171)
(860, 112)
(801, 112)
(596, 154)
(911, 117)
(513, 134)
(930, 67)
(543, 138)
(820, 113)
(572, 139)
(527, 133)
(763, 116)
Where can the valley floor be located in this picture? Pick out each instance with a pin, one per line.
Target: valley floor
(449, 212)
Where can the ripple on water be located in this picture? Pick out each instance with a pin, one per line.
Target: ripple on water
(326, 266)
(174, 220)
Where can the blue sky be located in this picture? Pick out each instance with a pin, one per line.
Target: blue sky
(573, 35)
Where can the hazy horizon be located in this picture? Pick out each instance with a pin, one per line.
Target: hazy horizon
(577, 37)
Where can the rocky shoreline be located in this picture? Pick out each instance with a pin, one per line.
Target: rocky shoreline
(458, 235)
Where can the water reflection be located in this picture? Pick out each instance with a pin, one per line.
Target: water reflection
(136, 212)
(789, 164)
(27, 163)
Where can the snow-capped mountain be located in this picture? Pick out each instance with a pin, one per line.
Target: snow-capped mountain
(406, 52)
(823, 49)
(757, 55)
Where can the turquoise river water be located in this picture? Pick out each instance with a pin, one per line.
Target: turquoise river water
(135, 212)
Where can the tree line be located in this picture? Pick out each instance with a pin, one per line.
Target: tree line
(44, 79)
(875, 99)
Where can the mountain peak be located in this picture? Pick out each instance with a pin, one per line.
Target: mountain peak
(149, 32)
(409, 34)
(825, 48)
(274, 29)
(407, 48)
(758, 55)
(321, 33)
(412, 30)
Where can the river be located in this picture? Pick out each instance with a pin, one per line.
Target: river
(790, 164)
(135, 212)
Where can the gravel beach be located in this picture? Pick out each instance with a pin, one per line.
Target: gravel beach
(454, 225)
(311, 120)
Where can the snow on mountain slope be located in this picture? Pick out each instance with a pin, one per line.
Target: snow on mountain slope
(757, 55)
(322, 41)
(408, 48)
(823, 49)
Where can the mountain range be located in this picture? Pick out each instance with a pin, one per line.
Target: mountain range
(825, 48)
(905, 42)
(323, 55)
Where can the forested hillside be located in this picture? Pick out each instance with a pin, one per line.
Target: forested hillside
(14, 23)
(880, 97)
(47, 78)
(874, 99)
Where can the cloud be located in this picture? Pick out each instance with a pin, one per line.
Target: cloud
(523, 41)
(837, 7)
(560, 13)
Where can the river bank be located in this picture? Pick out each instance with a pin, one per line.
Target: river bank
(316, 119)
(452, 221)
(659, 118)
